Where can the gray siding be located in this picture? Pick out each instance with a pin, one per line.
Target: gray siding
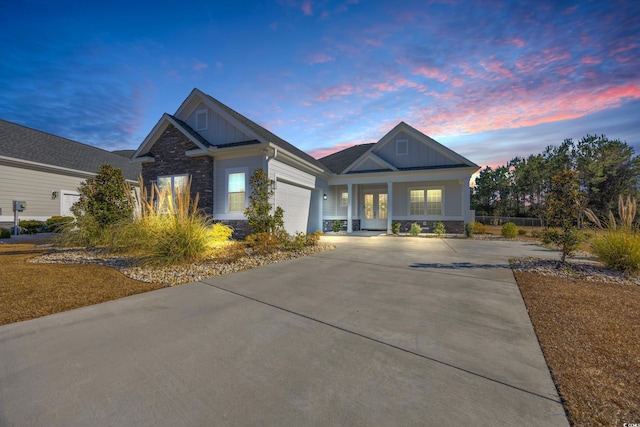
(219, 131)
(221, 166)
(419, 154)
(452, 197)
(35, 187)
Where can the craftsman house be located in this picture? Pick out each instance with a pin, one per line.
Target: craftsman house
(405, 177)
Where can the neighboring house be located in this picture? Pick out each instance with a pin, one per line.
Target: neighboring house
(406, 176)
(46, 170)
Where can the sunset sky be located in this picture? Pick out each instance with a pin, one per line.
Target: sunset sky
(489, 79)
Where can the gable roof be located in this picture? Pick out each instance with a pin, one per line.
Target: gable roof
(263, 133)
(344, 161)
(21, 143)
(337, 162)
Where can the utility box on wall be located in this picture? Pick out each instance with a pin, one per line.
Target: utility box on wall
(19, 206)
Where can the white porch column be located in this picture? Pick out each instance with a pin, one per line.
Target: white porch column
(389, 206)
(349, 207)
(466, 201)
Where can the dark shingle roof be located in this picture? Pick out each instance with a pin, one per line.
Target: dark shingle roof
(190, 131)
(266, 134)
(124, 153)
(23, 143)
(337, 162)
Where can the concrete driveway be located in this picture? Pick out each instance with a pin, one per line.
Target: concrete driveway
(380, 331)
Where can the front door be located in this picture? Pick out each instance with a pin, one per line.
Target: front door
(375, 211)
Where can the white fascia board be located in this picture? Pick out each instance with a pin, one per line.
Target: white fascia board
(144, 159)
(295, 159)
(403, 176)
(369, 155)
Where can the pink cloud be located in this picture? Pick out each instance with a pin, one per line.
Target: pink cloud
(335, 92)
(591, 60)
(306, 8)
(432, 73)
(517, 42)
(320, 58)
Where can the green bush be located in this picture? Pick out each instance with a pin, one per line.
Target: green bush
(619, 250)
(5, 233)
(56, 224)
(522, 232)
(395, 228)
(478, 227)
(171, 231)
(439, 229)
(337, 226)
(509, 230)
(31, 226)
(415, 229)
(468, 230)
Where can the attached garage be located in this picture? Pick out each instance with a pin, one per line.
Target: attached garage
(295, 201)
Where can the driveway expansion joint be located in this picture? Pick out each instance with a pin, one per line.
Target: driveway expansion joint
(393, 346)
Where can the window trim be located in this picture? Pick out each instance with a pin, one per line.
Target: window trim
(172, 183)
(231, 171)
(425, 202)
(399, 143)
(204, 111)
(342, 201)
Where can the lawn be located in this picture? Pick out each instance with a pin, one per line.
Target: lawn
(589, 332)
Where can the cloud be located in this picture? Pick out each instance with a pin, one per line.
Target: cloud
(307, 8)
(320, 58)
(199, 66)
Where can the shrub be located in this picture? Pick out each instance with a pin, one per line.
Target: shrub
(395, 228)
(170, 231)
(259, 212)
(264, 243)
(5, 233)
(509, 230)
(229, 252)
(618, 250)
(478, 227)
(567, 240)
(337, 226)
(522, 232)
(468, 230)
(31, 226)
(415, 229)
(439, 229)
(536, 234)
(56, 224)
(312, 239)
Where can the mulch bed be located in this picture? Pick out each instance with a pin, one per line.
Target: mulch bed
(589, 333)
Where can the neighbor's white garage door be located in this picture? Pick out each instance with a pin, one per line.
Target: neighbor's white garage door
(295, 202)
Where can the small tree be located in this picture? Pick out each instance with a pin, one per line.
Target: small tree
(565, 204)
(260, 213)
(105, 198)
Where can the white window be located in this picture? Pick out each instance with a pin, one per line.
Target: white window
(170, 187)
(236, 189)
(202, 121)
(344, 198)
(416, 202)
(402, 147)
(434, 201)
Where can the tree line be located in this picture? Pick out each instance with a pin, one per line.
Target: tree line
(605, 169)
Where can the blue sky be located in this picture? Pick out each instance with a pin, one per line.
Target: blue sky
(490, 79)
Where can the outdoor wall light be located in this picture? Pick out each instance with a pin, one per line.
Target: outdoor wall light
(54, 195)
(324, 197)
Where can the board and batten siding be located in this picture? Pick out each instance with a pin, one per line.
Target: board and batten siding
(419, 154)
(34, 187)
(218, 130)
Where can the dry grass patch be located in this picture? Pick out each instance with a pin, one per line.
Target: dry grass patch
(30, 290)
(590, 335)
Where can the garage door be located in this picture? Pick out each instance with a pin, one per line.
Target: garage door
(295, 202)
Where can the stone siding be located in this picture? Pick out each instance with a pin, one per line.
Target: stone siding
(327, 224)
(240, 227)
(170, 159)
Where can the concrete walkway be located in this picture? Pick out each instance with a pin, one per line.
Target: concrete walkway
(380, 331)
